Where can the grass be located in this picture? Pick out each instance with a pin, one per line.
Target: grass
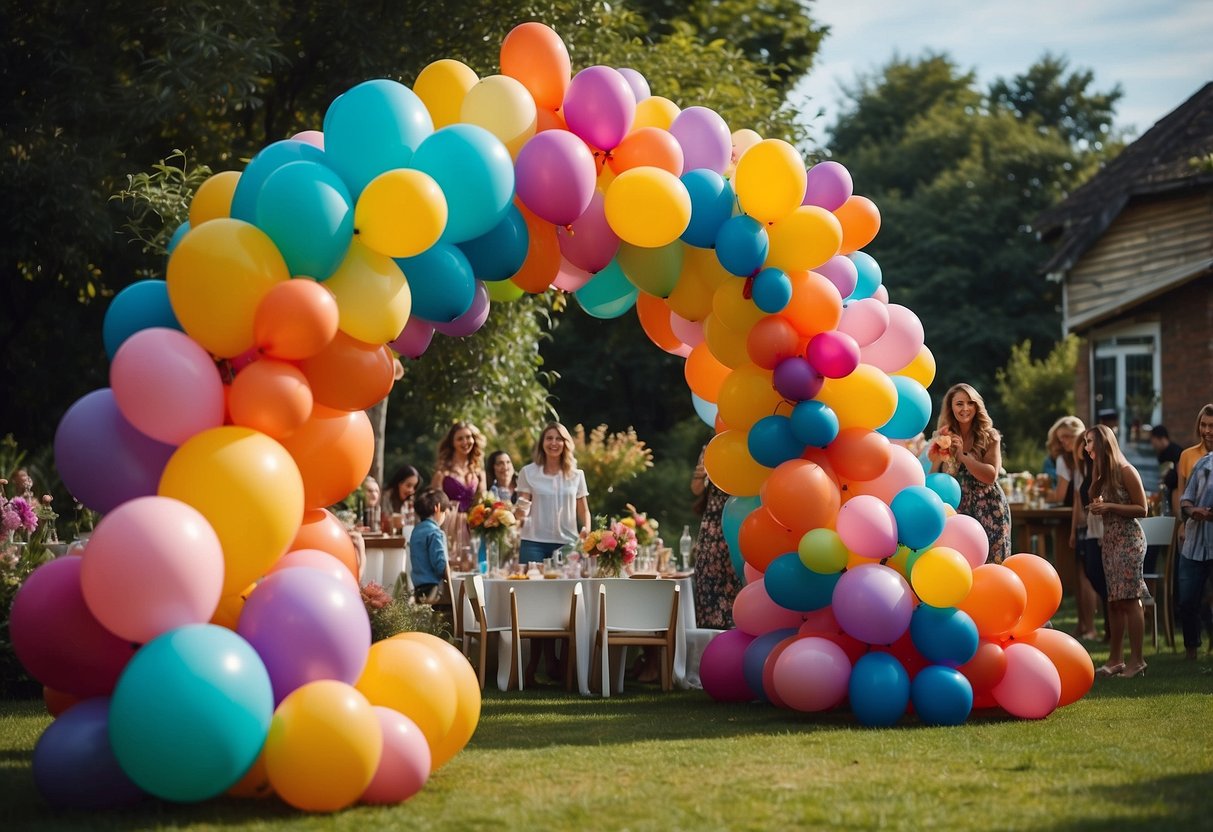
(1133, 754)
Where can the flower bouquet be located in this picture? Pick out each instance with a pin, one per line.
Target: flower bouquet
(613, 543)
(494, 519)
(941, 446)
(645, 528)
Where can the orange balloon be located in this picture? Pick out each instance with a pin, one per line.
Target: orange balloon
(650, 146)
(1041, 581)
(704, 373)
(1071, 659)
(996, 602)
(726, 343)
(860, 220)
(296, 319)
(859, 454)
(349, 374)
(322, 530)
(815, 306)
(57, 701)
(542, 262)
(801, 496)
(270, 396)
(747, 395)
(549, 120)
(535, 55)
(986, 668)
(762, 538)
(333, 450)
(729, 464)
(654, 318)
(771, 340)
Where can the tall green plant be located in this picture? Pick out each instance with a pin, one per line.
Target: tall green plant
(1032, 394)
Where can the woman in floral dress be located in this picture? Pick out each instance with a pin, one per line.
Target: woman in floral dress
(716, 583)
(967, 446)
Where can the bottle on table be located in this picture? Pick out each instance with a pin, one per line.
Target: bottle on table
(684, 549)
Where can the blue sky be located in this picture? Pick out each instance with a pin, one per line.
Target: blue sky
(1157, 50)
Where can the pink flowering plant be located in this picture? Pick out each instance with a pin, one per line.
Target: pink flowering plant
(613, 542)
(644, 526)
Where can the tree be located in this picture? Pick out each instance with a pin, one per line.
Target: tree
(1035, 393)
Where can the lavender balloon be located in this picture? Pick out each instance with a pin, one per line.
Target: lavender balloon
(414, 339)
(705, 139)
(599, 106)
(471, 320)
(555, 176)
(873, 603)
(829, 186)
(640, 87)
(589, 243)
(840, 271)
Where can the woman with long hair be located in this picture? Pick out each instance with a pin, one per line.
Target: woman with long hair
(502, 480)
(555, 487)
(1118, 499)
(459, 474)
(967, 446)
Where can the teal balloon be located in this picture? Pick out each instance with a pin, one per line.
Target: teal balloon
(177, 237)
(741, 245)
(476, 174)
(946, 486)
(142, 305)
(793, 586)
(190, 713)
(879, 690)
(870, 276)
(711, 205)
(772, 290)
(267, 160)
(920, 516)
(608, 294)
(771, 441)
(815, 424)
(499, 254)
(913, 409)
(941, 696)
(736, 510)
(944, 635)
(705, 410)
(372, 128)
(441, 282)
(306, 209)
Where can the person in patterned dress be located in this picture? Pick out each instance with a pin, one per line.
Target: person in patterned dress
(716, 583)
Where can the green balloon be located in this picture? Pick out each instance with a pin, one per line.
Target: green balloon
(652, 270)
(608, 294)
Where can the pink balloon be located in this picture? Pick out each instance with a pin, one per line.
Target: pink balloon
(900, 343)
(555, 176)
(152, 565)
(873, 603)
(834, 354)
(751, 574)
(705, 139)
(829, 185)
(599, 106)
(405, 764)
(313, 137)
(882, 293)
(570, 278)
(1031, 687)
(755, 613)
(966, 535)
(689, 332)
(414, 339)
(812, 674)
(640, 86)
(841, 271)
(867, 527)
(904, 470)
(471, 320)
(720, 669)
(589, 243)
(864, 320)
(167, 385)
(316, 559)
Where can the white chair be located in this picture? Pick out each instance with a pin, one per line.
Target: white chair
(1160, 531)
(642, 613)
(545, 610)
(475, 623)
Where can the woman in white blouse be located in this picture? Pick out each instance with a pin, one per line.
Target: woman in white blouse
(559, 513)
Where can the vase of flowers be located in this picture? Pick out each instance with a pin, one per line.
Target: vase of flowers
(613, 544)
(493, 520)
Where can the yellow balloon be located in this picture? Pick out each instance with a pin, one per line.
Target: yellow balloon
(467, 695)
(733, 308)
(213, 199)
(400, 213)
(655, 111)
(941, 577)
(441, 86)
(697, 282)
(323, 746)
(250, 490)
(729, 464)
(921, 369)
(504, 107)
(373, 298)
(746, 396)
(216, 276)
(648, 207)
(867, 398)
(227, 614)
(770, 180)
(503, 291)
(726, 343)
(804, 239)
(407, 677)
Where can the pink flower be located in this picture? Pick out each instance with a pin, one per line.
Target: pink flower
(609, 542)
(28, 519)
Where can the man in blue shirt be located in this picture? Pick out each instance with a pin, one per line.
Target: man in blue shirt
(427, 546)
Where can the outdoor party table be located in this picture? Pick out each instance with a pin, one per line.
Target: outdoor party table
(386, 559)
(1045, 531)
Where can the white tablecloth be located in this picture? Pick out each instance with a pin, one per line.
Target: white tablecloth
(386, 559)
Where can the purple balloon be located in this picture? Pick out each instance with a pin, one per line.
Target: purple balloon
(834, 354)
(414, 339)
(471, 320)
(101, 458)
(640, 86)
(599, 106)
(590, 243)
(873, 603)
(722, 667)
(795, 379)
(829, 186)
(705, 139)
(555, 176)
(840, 270)
(306, 625)
(74, 765)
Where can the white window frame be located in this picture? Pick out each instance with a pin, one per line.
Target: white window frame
(1103, 346)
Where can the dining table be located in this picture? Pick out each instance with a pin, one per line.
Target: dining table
(1044, 530)
(387, 559)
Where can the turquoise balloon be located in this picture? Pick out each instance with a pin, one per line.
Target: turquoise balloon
(608, 294)
(941, 696)
(919, 514)
(736, 509)
(946, 486)
(869, 278)
(793, 586)
(711, 205)
(476, 174)
(913, 410)
(190, 713)
(441, 282)
(305, 208)
(499, 254)
(372, 128)
(268, 160)
(879, 690)
(772, 442)
(140, 306)
(742, 245)
(177, 237)
(946, 635)
(705, 410)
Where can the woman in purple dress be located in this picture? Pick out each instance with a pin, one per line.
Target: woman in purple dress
(460, 475)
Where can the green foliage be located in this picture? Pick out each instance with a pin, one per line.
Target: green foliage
(391, 616)
(160, 200)
(1034, 393)
(609, 460)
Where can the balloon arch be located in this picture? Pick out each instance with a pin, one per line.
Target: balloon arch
(235, 414)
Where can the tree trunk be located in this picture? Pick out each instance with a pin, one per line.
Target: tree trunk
(378, 417)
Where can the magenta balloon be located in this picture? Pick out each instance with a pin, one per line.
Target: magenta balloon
(599, 106)
(570, 278)
(414, 339)
(755, 612)
(720, 669)
(316, 559)
(900, 343)
(794, 378)
(841, 271)
(829, 186)
(705, 139)
(640, 86)
(56, 638)
(589, 243)
(833, 354)
(1031, 686)
(688, 332)
(812, 674)
(555, 176)
(867, 527)
(873, 603)
(471, 320)
(102, 460)
(864, 320)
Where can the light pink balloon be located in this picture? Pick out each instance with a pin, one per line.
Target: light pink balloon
(152, 564)
(599, 106)
(752, 575)
(904, 470)
(316, 559)
(688, 332)
(828, 186)
(755, 613)
(864, 320)
(867, 527)
(1031, 687)
(966, 535)
(471, 320)
(570, 278)
(313, 137)
(589, 243)
(812, 674)
(882, 293)
(167, 385)
(638, 83)
(555, 175)
(405, 764)
(900, 343)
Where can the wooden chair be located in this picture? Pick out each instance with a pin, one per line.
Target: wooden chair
(448, 604)
(545, 610)
(1161, 532)
(641, 613)
(476, 625)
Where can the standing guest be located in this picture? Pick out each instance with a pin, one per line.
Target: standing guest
(559, 510)
(427, 546)
(460, 475)
(371, 498)
(716, 583)
(399, 494)
(967, 446)
(1060, 444)
(1196, 554)
(1084, 540)
(1118, 499)
(1190, 456)
(1168, 452)
(503, 482)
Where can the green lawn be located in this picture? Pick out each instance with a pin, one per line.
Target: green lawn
(1134, 754)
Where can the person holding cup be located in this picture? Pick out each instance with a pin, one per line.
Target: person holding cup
(552, 496)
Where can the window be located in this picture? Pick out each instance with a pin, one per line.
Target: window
(1125, 377)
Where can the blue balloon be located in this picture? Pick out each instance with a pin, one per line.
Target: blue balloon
(608, 294)
(736, 510)
(879, 690)
(946, 636)
(742, 245)
(913, 410)
(793, 586)
(190, 712)
(711, 205)
(74, 766)
(705, 410)
(180, 233)
(305, 208)
(946, 486)
(869, 275)
(441, 282)
(499, 254)
(772, 290)
(476, 174)
(941, 696)
(268, 160)
(815, 424)
(375, 127)
(755, 658)
(771, 441)
(140, 306)
(919, 514)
